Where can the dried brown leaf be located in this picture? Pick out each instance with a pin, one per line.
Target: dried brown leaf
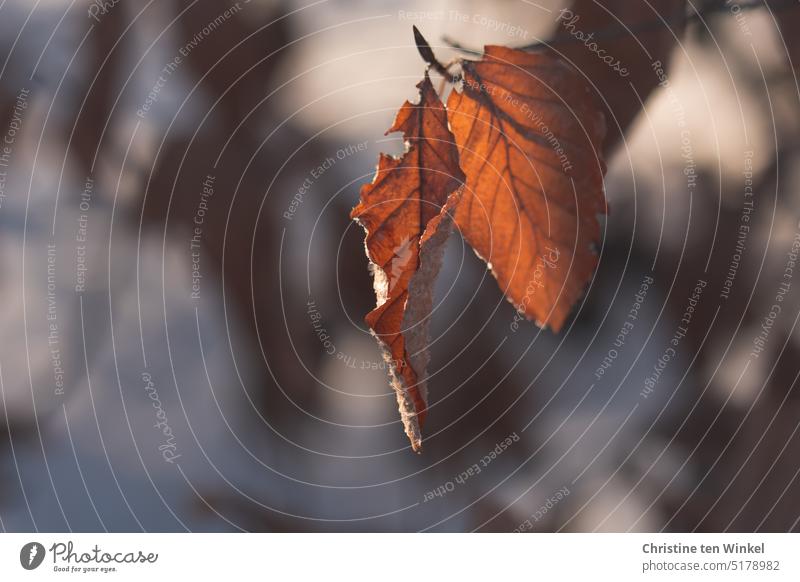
(406, 212)
(529, 137)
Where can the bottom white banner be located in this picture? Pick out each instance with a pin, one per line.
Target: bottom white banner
(389, 557)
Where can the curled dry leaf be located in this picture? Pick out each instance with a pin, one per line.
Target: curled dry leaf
(406, 212)
(529, 136)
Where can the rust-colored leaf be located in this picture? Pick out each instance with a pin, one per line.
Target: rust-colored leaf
(529, 136)
(406, 212)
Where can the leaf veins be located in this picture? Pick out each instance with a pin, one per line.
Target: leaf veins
(406, 212)
(529, 137)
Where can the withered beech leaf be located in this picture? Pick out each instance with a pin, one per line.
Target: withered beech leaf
(529, 136)
(407, 214)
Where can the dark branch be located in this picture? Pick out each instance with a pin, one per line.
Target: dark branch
(613, 32)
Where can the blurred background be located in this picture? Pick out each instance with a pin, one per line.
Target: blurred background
(182, 291)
